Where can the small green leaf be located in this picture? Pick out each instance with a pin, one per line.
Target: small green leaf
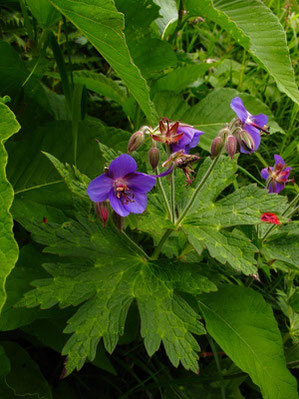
(43, 11)
(242, 323)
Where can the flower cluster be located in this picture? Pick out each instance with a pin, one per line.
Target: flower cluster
(126, 189)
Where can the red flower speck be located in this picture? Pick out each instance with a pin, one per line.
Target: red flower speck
(269, 217)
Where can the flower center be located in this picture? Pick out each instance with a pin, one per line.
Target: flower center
(123, 192)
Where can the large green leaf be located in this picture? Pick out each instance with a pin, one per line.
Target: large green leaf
(107, 276)
(8, 246)
(103, 26)
(258, 30)
(206, 226)
(242, 323)
(211, 113)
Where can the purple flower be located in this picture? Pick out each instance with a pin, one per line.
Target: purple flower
(178, 136)
(189, 140)
(277, 176)
(252, 124)
(124, 187)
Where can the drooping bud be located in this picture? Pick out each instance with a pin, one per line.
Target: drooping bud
(135, 141)
(224, 132)
(245, 140)
(154, 157)
(102, 211)
(217, 145)
(231, 145)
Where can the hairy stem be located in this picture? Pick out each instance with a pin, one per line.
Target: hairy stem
(197, 190)
(172, 197)
(158, 248)
(222, 385)
(164, 196)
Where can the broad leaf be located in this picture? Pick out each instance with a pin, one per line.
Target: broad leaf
(242, 323)
(103, 26)
(107, 276)
(258, 30)
(8, 245)
(283, 245)
(211, 113)
(208, 219)
(169, 16)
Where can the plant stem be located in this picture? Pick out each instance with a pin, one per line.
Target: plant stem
(197, 190)
(251, 176)
(172, 196)
(211, 342)
(164, 196)
(292, 203)
(133, 244)
(158, 248)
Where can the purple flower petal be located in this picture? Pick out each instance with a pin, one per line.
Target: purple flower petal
(117, 205)
(260, 120)
(255, 134)
(140, 182)
(276, 187)
(121, 166)
(167, 172)
(138, 205)
(99, 188)
(189, 140)
(265, 173)
(238, 106)
(278, 160)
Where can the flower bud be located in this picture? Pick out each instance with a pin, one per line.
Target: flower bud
(231, 145)
(102, 211)
(217, 145)
(245, 140)
(135, 141)
(154, 157)
(224, 132)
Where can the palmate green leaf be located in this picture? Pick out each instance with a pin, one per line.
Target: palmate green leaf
(206, 224)
(108, 275)
(211, 113)
(258, 30)
(8, 245)
(103, 26)
(242, 323)
(283, 245)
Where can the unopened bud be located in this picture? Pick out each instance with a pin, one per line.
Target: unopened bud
(135, 141)
(154, 157)
(217, 145)
(231, 145)
(102, 211)
(245, 140)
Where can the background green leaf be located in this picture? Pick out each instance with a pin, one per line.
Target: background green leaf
(8, 245)
(258, 30)
(242, 323)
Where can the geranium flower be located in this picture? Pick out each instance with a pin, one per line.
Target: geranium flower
(277, 176)
(124, 187)
(269, 217)
(178, 136)
(252, 124)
